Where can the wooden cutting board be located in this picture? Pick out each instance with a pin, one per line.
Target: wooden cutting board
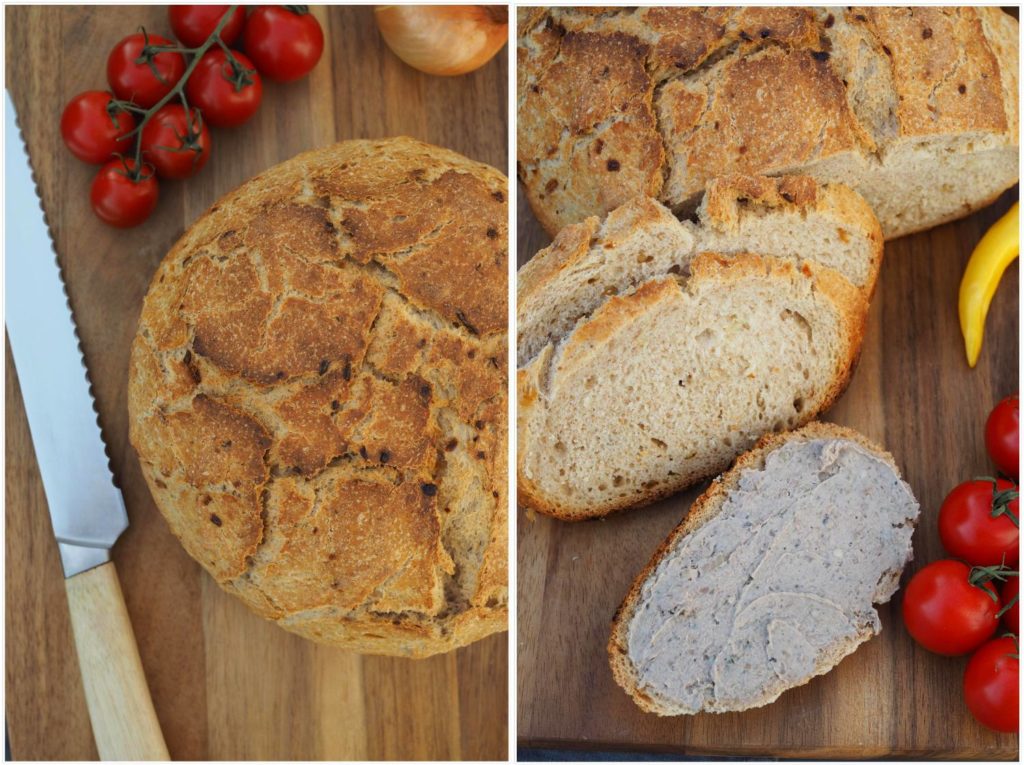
(226, 684)
(912, 392)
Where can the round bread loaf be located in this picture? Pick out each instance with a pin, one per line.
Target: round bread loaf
(318, 390)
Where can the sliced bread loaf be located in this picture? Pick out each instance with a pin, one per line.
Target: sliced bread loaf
(648, 364)
(792, 217)
(915, 108)
(771, 578)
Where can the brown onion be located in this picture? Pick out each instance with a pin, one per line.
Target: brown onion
(444, 39)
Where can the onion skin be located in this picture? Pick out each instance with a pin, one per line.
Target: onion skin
(444, 40)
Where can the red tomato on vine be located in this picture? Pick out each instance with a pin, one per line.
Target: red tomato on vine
(192, 24)
(176, 144)
(978, 522)
(992, 685)
(137, 72)
(122, 196)
(945, 612)
(227, 93)
(1002, 436)
(284, 42)
(93, 129)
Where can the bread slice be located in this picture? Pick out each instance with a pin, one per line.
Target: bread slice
(793, 217)
(663, 387)
(648, 364)
(915, 108)
(770, 579)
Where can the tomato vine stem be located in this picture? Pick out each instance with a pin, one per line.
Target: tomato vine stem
(1007, 607)
(979, 576)
(149, 52)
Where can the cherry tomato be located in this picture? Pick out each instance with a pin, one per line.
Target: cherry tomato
(947, 614)
(1002, 436)
(968, 529)
(285, 45)
(992, 685)
(193, 24)
(119, 199)
(136, 82)
(93, 130)
(1011, 617)
(175, 145)
(227, 95)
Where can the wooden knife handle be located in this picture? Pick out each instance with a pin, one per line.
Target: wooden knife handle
(124, 723)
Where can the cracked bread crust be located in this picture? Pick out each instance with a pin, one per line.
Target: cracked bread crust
(318, 392)
(704, 510)
(615, 103)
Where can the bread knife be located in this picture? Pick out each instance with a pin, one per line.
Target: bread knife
(86, 508)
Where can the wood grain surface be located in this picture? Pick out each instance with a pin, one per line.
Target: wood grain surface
(225, 683)
(912, 392)
(124, 722)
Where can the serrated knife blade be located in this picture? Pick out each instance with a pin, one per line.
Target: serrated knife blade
(86, 509)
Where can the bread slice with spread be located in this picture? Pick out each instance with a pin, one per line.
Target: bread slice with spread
(772, 577)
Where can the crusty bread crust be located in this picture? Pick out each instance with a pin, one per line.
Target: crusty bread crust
(727, 197)
(551, 279)
(317, 394)
(569, 246)
(1003, 33)
(849, 302)
(703, 510)
(657, 101)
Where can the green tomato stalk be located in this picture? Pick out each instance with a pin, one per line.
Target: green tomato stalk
(240, 76)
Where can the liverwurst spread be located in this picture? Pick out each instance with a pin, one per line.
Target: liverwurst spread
(779, 585)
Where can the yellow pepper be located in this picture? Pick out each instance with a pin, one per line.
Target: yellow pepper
(996, 250)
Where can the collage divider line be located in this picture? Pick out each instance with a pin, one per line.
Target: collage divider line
(513, 579)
